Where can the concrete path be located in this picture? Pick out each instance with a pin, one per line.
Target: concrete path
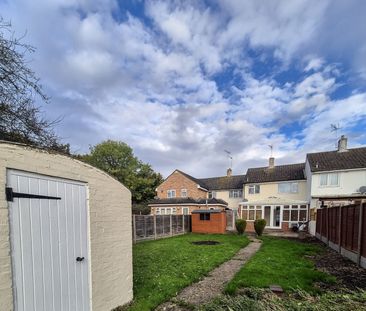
(213, 284)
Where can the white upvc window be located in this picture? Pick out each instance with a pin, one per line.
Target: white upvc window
(157, 212)
(288, 187)
(168, 211)
(185, 210)
(171, 193)
(162, 211)
(174, 211)
(329, 180)
(183, 193)
(236, 193)
(254, 189)
(211, 194)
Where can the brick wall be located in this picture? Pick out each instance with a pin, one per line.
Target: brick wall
(110, 224)
(177, 181)
(216, 224)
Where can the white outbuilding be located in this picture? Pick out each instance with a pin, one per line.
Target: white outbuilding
(65, 234)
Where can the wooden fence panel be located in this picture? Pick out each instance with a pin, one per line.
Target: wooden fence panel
(341, 226)
(154, 227)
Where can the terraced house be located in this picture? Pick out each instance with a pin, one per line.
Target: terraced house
(283, 195)
(276, 194)
(181, 193)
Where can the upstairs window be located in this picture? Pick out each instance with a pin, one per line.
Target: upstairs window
(183, 193)
(329, 180)
(171, 193)
(254, 189)
(211, 194)
(288, 187)
(236, 194)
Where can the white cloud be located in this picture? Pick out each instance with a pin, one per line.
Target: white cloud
(154, 86)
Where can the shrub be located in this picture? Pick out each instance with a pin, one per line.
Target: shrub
(259, 225)
(240, 225)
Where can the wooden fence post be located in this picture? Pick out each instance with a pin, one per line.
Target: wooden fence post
(134, 228)
(154, 227)
(145, 225)
(320, 213)
(171, 225)
(327, 219)
(360, 225)
(340, 229)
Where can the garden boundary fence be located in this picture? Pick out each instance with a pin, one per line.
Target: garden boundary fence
(343, 228)
(152, 227)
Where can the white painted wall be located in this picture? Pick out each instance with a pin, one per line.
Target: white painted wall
(233, 203)
(349, 182)
(109, 222)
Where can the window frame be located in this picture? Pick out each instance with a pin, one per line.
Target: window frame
(205, 216)
(183, 191)
(327, 177)
(235, 193)
(291, 186)
(170, 192)
(212, 194)
(255, 188)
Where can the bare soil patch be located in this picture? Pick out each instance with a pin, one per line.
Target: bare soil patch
(205, 242)
(348, 274)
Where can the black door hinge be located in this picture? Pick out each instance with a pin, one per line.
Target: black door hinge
(10, 195)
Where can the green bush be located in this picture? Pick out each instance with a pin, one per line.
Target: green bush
(240, 225)
(259, 225)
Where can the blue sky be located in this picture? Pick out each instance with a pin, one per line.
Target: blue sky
(182, 81)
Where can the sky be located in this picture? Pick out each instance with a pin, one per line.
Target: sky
(183, 81)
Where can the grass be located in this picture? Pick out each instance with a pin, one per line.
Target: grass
(163, 267)
(255, 299)
(281, 262)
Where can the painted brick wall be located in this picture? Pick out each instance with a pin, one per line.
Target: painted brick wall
(110, 224)
(216, 224)
(177, 181)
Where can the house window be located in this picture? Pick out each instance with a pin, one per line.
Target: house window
(288, 187)
(183, 193)
(254, 189)
(171, 193)
(174, 211)
(157, 211)
(211, 194)
(254, 212)
(329, 180)
(162, 211)
(236, 194)
(185, 210)
(205, 216)
(295, 213)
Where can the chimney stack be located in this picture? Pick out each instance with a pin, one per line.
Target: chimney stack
(342, 144)
(271, 162)
(229, 172)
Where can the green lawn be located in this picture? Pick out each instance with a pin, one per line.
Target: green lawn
(282, 262)
(164, 267)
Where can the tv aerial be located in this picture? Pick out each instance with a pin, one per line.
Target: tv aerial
(334, 128)
(230, 157)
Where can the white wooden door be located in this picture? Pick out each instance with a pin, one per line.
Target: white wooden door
(47, 235)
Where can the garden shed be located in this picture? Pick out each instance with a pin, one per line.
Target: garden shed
(209, 221)
(65, 234)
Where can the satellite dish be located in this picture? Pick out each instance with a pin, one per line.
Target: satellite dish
(362, 190)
